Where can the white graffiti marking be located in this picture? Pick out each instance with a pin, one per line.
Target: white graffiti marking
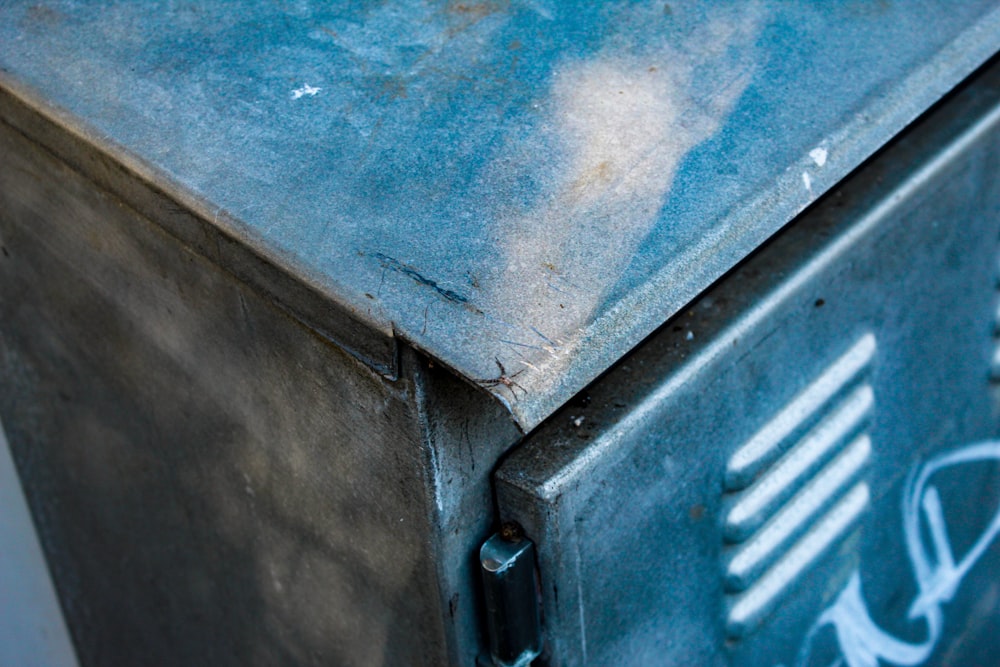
(862, 642)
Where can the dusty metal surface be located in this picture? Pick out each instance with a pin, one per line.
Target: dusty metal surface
(212, 482)
(537, 184)
(801, 469)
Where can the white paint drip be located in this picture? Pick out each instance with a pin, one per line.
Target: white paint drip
(807, 181)
(938, 576)
(306, 89)
(818, 155)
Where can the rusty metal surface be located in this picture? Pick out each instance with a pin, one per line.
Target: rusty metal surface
(523, 190)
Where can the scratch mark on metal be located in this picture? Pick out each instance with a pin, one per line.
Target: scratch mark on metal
(502, 322)
(394, 264)
(245, 311)
(521, 359)
(530, 347)
(544, 337)
(554, 288)
(381, 282)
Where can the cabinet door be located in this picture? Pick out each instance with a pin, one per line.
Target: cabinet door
(800, 466)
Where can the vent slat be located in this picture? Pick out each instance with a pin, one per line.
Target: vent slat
(750, 607)
(767, 444)
(797, 487)
(761, 550)
(793, 470)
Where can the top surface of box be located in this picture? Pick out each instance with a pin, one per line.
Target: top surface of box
(524, 190)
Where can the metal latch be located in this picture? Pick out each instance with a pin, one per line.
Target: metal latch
(507, 562)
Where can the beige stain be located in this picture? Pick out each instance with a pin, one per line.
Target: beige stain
(624, 121)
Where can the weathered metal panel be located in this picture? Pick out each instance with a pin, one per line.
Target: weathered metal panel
(243, 244)
(213, 482)
(800, 464)
(465, 433)
(451, 172)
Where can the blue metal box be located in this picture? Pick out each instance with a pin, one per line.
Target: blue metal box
(300, 303)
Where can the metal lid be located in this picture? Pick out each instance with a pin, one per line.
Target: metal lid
(523, 190)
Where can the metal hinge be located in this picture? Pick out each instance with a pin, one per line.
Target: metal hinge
(510, 585)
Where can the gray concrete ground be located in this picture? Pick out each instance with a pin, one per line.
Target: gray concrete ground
(32, 630)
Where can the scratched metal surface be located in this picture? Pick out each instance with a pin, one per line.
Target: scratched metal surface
(533, 184)
(801, 470)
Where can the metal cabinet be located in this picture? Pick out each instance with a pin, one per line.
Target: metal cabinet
(304, 305)
(802, 461)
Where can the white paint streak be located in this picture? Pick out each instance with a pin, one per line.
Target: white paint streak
(862, 642)
(807, 181)
(306, 89)
(616, 127)
(818, 156)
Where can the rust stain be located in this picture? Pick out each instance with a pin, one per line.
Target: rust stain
(600, 175)
(393, 87)
(471, 13)
(43, 14)
(476, 10)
